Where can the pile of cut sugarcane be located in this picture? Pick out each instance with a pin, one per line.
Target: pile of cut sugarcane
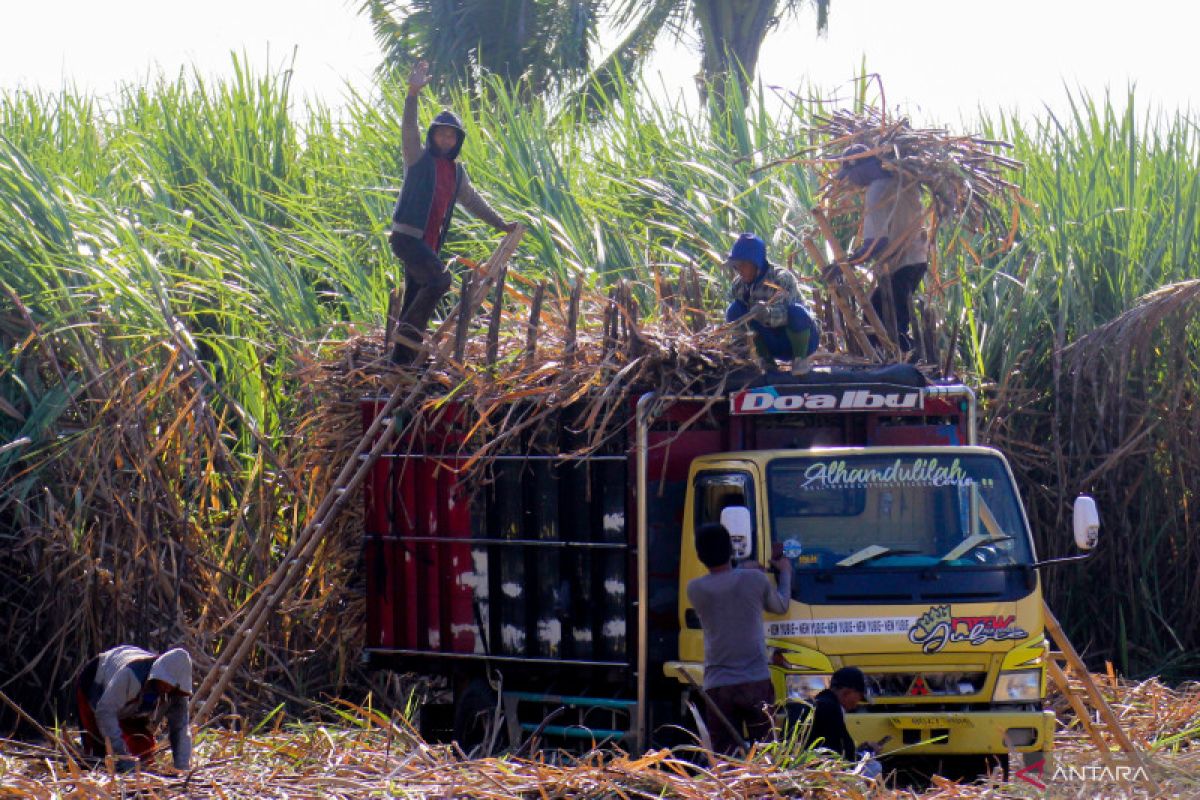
(361, 751)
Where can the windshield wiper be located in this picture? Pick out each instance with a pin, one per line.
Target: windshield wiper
(972, 542)
(870, 553)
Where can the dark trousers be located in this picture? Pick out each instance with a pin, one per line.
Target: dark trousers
(426, 280)
(904, 281)
(798, 338)
(745, 705)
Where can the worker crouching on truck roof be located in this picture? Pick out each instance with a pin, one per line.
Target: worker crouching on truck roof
(847, 691)
(123, 695)
(730, 603)
(768, 299)
(434, 181)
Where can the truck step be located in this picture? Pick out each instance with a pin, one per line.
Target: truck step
(575, 731)
(573, 701)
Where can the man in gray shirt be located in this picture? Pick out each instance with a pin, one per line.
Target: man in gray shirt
(730, 603)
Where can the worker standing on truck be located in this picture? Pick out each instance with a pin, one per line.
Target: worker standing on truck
(847, 691)
(730, 603)
(893, 234)
(768, 299)
(123, 695)
(434, 181)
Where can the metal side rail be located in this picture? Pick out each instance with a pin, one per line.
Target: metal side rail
(585, 709)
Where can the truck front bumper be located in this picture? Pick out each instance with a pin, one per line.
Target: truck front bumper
(958, 733)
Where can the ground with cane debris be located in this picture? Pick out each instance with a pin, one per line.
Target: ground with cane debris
(364, 753)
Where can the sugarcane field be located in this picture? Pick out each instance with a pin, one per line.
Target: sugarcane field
(521, 413)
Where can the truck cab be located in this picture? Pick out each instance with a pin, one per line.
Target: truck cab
(913, 563)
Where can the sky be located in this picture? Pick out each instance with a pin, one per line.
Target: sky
(940, 60)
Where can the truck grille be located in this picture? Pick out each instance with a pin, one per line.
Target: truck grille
(924, 684)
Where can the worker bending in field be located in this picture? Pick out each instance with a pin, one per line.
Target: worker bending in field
(434, 181)
(847, 690)
(768, 299)
(730, 603)
(893, 235)
(124, 694)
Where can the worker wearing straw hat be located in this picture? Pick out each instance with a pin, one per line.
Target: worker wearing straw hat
(434, 182)
(123, 695)
(893, 234)
(767, 298)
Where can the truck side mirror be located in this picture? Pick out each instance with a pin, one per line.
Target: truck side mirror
(1087, 522)
(736, 520)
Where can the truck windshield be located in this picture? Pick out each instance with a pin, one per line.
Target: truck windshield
(865, 511)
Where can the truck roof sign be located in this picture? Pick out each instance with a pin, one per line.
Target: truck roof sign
(805, 399)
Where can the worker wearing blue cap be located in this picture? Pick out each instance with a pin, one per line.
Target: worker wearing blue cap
(768, 299)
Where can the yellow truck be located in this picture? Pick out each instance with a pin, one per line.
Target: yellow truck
(552, 596)
(912, 560)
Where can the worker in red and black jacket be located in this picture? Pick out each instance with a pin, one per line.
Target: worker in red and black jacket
(434, 181)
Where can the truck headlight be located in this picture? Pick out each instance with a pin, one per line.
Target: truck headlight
(1018, 686)
(804, 687)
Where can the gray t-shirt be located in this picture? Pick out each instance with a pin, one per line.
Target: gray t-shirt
(730, 605)
(893, 209)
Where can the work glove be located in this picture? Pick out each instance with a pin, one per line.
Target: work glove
(757, 312)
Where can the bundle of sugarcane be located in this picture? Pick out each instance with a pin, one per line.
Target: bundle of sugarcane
(964, 175)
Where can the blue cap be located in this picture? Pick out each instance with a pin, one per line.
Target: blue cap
(749, 247)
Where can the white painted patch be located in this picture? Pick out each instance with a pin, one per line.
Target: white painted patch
(614, 629)
(582, 634)
(473, 581)
(612, 586)
(550, 631)
(511, 589)
(615, 522)
(464, 628)
(435, 639)
(512, 637)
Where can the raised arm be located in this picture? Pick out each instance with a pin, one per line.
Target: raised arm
(410, 132)
(777, 600)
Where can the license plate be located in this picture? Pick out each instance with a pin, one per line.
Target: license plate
(932, 721)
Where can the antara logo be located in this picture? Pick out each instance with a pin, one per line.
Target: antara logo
(768, 400)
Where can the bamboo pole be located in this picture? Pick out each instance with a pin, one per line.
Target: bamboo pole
(844, 321)
(860, 297)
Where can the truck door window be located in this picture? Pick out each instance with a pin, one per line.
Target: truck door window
(719, 490)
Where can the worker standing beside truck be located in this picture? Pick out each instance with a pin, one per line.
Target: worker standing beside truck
(893, 235)
(123, 695)
(434, 181)
(730, 603)
(768, 298)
